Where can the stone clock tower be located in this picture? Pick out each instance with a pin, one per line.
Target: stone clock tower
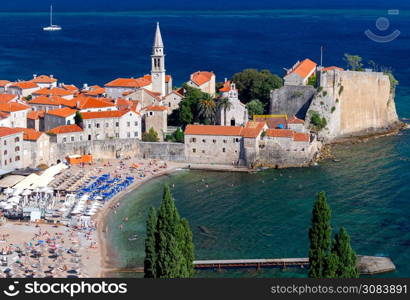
(158, 64)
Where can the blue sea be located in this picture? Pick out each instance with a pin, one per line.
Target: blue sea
(261, 215)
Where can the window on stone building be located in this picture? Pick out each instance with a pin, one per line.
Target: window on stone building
(117, 124)
(203, 151)
(136, 123)
(17, 148)
(10, 160)
(194, 150)
(89, 126)
(5, 143)
(5, 162)
(214, 141)
(89, 137)
(97, 125)
(224, 141)
(17, 139)
(151, 113)
(72, 139)
(106, 125)
(193, 140)
(117, 135)
(128, 134)
(223, 150)
(17, 158)
(81, 137)
(64, 140)
(128, 124)
(203, 141)
(5, 152)
(135, 134)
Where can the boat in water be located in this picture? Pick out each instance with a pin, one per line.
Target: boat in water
(52, 27)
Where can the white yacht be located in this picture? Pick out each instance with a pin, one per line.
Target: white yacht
(52, 27)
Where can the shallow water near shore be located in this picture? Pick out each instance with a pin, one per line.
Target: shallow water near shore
(267, 214)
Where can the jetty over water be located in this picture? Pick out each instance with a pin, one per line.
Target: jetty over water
(366, 264)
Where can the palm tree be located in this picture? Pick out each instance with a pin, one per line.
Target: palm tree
(224, 104)
(207, 109)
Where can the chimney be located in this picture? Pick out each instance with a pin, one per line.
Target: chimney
(226, 79)
(51, 76)
(85, 86)
(34, 76)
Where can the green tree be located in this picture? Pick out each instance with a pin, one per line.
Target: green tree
(317, 121)
(150, 136)
(78, 119)
(319, 236)
(354, 62)
(207, 110)
(179, 135)
(254, 84)
(346, 257)
(255, 107)
(150, 250)
(224, 105)
(185, 115)
(174, 249)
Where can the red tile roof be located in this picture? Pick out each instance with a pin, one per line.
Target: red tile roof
(91, 102)
(213, 130)
(35, 115)
(30, 134)
(70, 87)
(304, 68)
(253, 129)
(6, 131)
(53, 92)
(283, 133)
(54, 100)
(129, 82)
(294, 120)
(13, 106)
(301, 137)
(62, 112)
(226, 87)
(155, 108)
(273, 121)
(201, 77)
(332, 68)
(24, 85)
(6, 98)
(66, 129)
(3, 83)
(44, 79)
(104, 114)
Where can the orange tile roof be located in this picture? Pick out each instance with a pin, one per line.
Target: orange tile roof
(167, 77)
(44, 79)
(13, 107)
(5, 131)
(62, 112)
(153, 94)
(30, 134)
(155, 108)
(6, 98)
(129, 82)
(304, 68)
(253, 129)
(273, 121)
(66, 129)
(53, 92)
(70, 87)
(95, 91)
(4, 115)
(301, 137)
(332, 68)
(283, 133)
(3, 83)
(213, 130)
(91, 102)
(294, 120)
(201, 77)
(24, 85)
(46, 100)
(35, 115)
(226, 87)
(104, 114)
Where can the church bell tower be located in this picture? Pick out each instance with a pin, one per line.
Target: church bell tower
(158, 64)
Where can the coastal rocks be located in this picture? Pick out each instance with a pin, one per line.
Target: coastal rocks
(374, 264)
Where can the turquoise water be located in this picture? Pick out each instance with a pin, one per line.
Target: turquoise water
(267, 214)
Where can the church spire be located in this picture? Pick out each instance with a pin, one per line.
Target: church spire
(158, 38)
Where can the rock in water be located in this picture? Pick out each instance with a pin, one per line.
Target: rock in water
(374, 264)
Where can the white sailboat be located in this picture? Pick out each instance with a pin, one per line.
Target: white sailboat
(52, 27)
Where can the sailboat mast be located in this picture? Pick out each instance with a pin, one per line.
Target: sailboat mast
(51, 15)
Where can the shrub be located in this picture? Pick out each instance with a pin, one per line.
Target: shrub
(341, 90)
(150, 136)
(333, 109)
(317, 121)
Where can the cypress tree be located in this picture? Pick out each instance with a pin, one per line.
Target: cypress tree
(319, 236)
(346, 262)
(150, 247)
(187, 247)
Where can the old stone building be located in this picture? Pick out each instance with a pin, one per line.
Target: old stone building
(59, 117)
(35, 120)
(22, 88)
(300, 73)
(44, 81)
(203, 80)
(112, 125)
(17, 113)
(156, 117)
(233, 113)
(36, 148)
(11, 148)
(66, 134)
(172, 100)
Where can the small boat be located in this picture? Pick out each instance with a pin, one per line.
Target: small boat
(52, 27)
